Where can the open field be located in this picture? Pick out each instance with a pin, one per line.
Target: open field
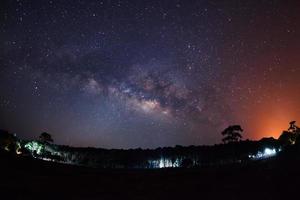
(24, 178)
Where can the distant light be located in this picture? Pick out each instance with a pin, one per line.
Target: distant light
(164, 163)
(18, 152)
(34, 146)
(161, 163)
(269, 152)
(265, 154)
(47, 159)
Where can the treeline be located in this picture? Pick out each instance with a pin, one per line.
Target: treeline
(178, 156)
(233, 150)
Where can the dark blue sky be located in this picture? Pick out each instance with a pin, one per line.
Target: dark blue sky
(127, 74)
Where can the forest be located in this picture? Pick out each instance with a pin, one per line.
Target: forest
(232, 150)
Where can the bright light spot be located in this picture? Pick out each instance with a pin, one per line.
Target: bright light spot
(34, 147)
(265, 154)
(269, 152)
(163, 163)
(18, 148)
(48, 159)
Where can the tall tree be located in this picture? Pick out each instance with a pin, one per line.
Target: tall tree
(8, 141)
(46, 137)
(293, 128)
(232, 134)
(291, 136)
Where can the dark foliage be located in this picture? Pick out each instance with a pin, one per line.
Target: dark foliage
(45, 137)
(8, 141)
(233, 151)
(232, 134)
(291, 136)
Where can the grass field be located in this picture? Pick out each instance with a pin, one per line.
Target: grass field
(25, 178)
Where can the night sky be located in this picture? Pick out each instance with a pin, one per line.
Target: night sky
(144, 73)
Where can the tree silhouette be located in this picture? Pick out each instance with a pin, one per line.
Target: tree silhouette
(290, 136)
(187, 163)
(46, 137)
(287, 138)
(293, 128)
(8, 141)
(232, 134)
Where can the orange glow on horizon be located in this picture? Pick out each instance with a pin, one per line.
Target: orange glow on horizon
(269, 119)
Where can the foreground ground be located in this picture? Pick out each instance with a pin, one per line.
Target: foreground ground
(24, 178)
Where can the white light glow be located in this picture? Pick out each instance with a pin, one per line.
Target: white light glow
(34, 146)
(265, 154)
(269, 152)
(163, 163)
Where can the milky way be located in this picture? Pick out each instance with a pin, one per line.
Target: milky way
(127, 74)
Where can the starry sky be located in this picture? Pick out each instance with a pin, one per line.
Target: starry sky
(145, 73)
